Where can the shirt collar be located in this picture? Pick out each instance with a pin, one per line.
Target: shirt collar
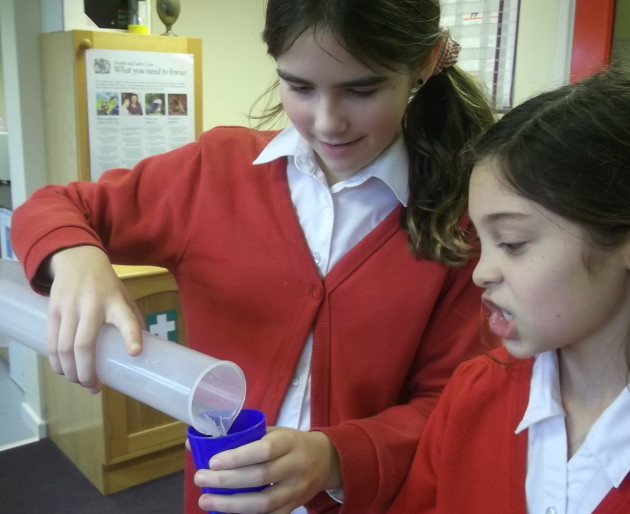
(545, 400)
(607, 439)
(284, 144)
(392, 166)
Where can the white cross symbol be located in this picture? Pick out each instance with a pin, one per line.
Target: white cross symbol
(162, 326)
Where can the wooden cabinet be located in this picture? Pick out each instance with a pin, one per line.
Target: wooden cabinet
(118, 442)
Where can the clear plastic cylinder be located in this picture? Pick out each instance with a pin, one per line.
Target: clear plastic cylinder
(197, 389)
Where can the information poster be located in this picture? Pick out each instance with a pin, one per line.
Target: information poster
(139, 104)
(486, 30)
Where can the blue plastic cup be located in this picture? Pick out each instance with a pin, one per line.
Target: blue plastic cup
(250, 425)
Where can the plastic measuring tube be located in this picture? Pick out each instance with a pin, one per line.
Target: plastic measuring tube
(197, 389)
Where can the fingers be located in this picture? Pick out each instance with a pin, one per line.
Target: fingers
(130, 321)
(271, 459)
(71, 343)
(257, 452)
(297, 463)
(249, 476)
(252, 465)
(52, 336)
(271, 500)
(81, 349)
(72, 340)
(84, 349)
(85, 294)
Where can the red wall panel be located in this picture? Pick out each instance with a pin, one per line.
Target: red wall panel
(592, 37)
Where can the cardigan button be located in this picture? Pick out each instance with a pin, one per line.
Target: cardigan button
(318, 291)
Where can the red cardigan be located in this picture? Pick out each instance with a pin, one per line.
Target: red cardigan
(469, 460)
(388, 329)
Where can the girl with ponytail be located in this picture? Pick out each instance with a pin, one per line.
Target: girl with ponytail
(328, 259)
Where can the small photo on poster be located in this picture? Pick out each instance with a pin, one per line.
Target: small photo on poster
(177, 104)
(131, 104)
(154, 104)
(107, 104)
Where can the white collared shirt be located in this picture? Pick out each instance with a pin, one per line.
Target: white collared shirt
(553, 485)
(334, 219)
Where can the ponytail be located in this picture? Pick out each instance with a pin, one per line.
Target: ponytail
(442, 117)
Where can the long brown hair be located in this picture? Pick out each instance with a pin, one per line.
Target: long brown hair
(441, 117)
(569, 151)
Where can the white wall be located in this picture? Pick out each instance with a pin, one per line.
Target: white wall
(236, 68)
(543, 52)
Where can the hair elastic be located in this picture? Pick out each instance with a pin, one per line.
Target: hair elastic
(449, 51)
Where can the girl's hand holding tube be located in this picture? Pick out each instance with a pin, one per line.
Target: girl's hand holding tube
(85, 294)
(298, 464)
